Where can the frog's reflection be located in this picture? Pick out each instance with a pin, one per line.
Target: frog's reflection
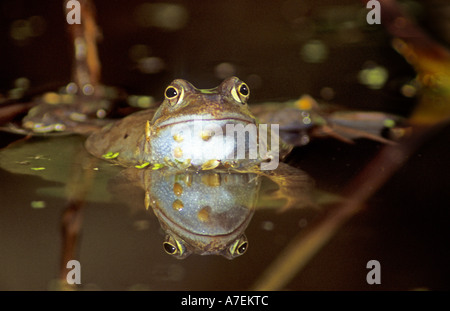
(202, 212)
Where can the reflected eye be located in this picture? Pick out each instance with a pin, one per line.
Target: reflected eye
(238, 248)
(175, 247)
(242, 248)
(169, 248)
(174, 95)
(241, 93)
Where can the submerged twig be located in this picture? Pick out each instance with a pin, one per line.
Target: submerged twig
(77, 188)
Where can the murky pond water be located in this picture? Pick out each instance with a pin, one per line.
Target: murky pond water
(58, 203)
(120, 243)
(108, 208)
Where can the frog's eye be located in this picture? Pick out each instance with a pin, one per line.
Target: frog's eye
(242, 248)
(169, 248)
(241, 93)
(243, 90)
(175, 247)
(174, 95)
(171, 92)
(238, 248)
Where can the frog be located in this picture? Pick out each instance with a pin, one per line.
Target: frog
(190, 129)
(154, 139)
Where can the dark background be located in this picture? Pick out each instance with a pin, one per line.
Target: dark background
(405, 226)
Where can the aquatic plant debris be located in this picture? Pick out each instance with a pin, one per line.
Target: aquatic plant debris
(143, 165)
(157, 166)
(110, 155)
(41, 168)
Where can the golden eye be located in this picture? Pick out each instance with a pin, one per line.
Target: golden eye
(175, 247)
(241, 93)
(169, 248)
(171, 92)
(243, 90)
(174, 95)
(238, 248)
(242, 248)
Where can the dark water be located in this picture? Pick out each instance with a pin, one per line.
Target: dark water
(405, 225)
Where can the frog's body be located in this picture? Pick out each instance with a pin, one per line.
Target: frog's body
(188, 129)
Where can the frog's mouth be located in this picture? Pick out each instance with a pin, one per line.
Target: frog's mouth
(195, 118)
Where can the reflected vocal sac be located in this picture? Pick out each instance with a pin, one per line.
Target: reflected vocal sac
(211, 224)
(231, 141)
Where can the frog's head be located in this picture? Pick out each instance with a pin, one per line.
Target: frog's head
(183, 103)
(180, 249)
(192, 125)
